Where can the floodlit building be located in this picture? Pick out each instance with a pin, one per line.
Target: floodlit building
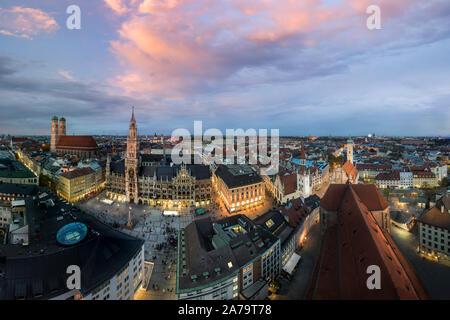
(78, 184)
(434, 230)
(239, 186)
(424, 179)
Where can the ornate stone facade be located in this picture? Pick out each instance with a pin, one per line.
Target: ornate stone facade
(158, 183)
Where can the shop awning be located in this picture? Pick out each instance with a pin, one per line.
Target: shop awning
(292, 262)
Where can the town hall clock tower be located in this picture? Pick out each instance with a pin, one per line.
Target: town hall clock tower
(132, 163)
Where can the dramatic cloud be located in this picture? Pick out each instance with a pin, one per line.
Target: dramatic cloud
(305, 67)
(27, 102)
(25, 22)
(182, 47)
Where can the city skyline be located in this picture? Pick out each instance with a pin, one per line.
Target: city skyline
(309, 68)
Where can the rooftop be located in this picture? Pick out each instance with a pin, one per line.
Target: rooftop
(76, 141)
(79, 172)
(439, 215)
(38, 270)
(236, 176)
(353, 244)
(211, 251)
(14, 169)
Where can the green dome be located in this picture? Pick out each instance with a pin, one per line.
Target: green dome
(55, 118)
(62, 119)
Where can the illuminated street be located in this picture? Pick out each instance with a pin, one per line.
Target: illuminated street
(295, 289)
(435, 276)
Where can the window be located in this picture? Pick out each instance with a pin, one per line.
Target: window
(269, 223)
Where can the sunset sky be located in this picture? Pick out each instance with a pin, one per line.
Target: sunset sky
(306, 67)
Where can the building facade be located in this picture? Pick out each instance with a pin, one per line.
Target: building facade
(240, 187)
(434, 230)
(138, 179)
(79, 183)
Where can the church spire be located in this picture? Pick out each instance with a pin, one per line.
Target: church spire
(303, 156)
(132, 115)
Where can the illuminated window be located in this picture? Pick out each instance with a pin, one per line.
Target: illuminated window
(235, 279)
(230, 265)
(269, 223)
(235, 287)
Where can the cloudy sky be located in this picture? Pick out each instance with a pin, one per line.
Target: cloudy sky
(307, 67)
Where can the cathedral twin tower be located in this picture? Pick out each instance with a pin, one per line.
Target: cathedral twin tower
(58, 130)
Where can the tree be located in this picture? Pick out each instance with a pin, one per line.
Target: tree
(387, 192)
(334, 161)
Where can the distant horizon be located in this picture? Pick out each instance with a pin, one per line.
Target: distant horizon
(281, 136)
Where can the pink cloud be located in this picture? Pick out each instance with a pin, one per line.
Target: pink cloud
(25, 22)
(176, 47)
(65, 74)
(118, 6)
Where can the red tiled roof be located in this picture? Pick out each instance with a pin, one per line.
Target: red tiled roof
(296, 212)
(349, 169)
(77, 173)
(19, 139)
(388, 176)
(289, 182)
(368, 193)
(77, 141)
(355, 243)
(373, 167)
(303, 155)
(439, 216)
(423, 174)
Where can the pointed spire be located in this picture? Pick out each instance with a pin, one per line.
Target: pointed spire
(303, 155)
(132, 114)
